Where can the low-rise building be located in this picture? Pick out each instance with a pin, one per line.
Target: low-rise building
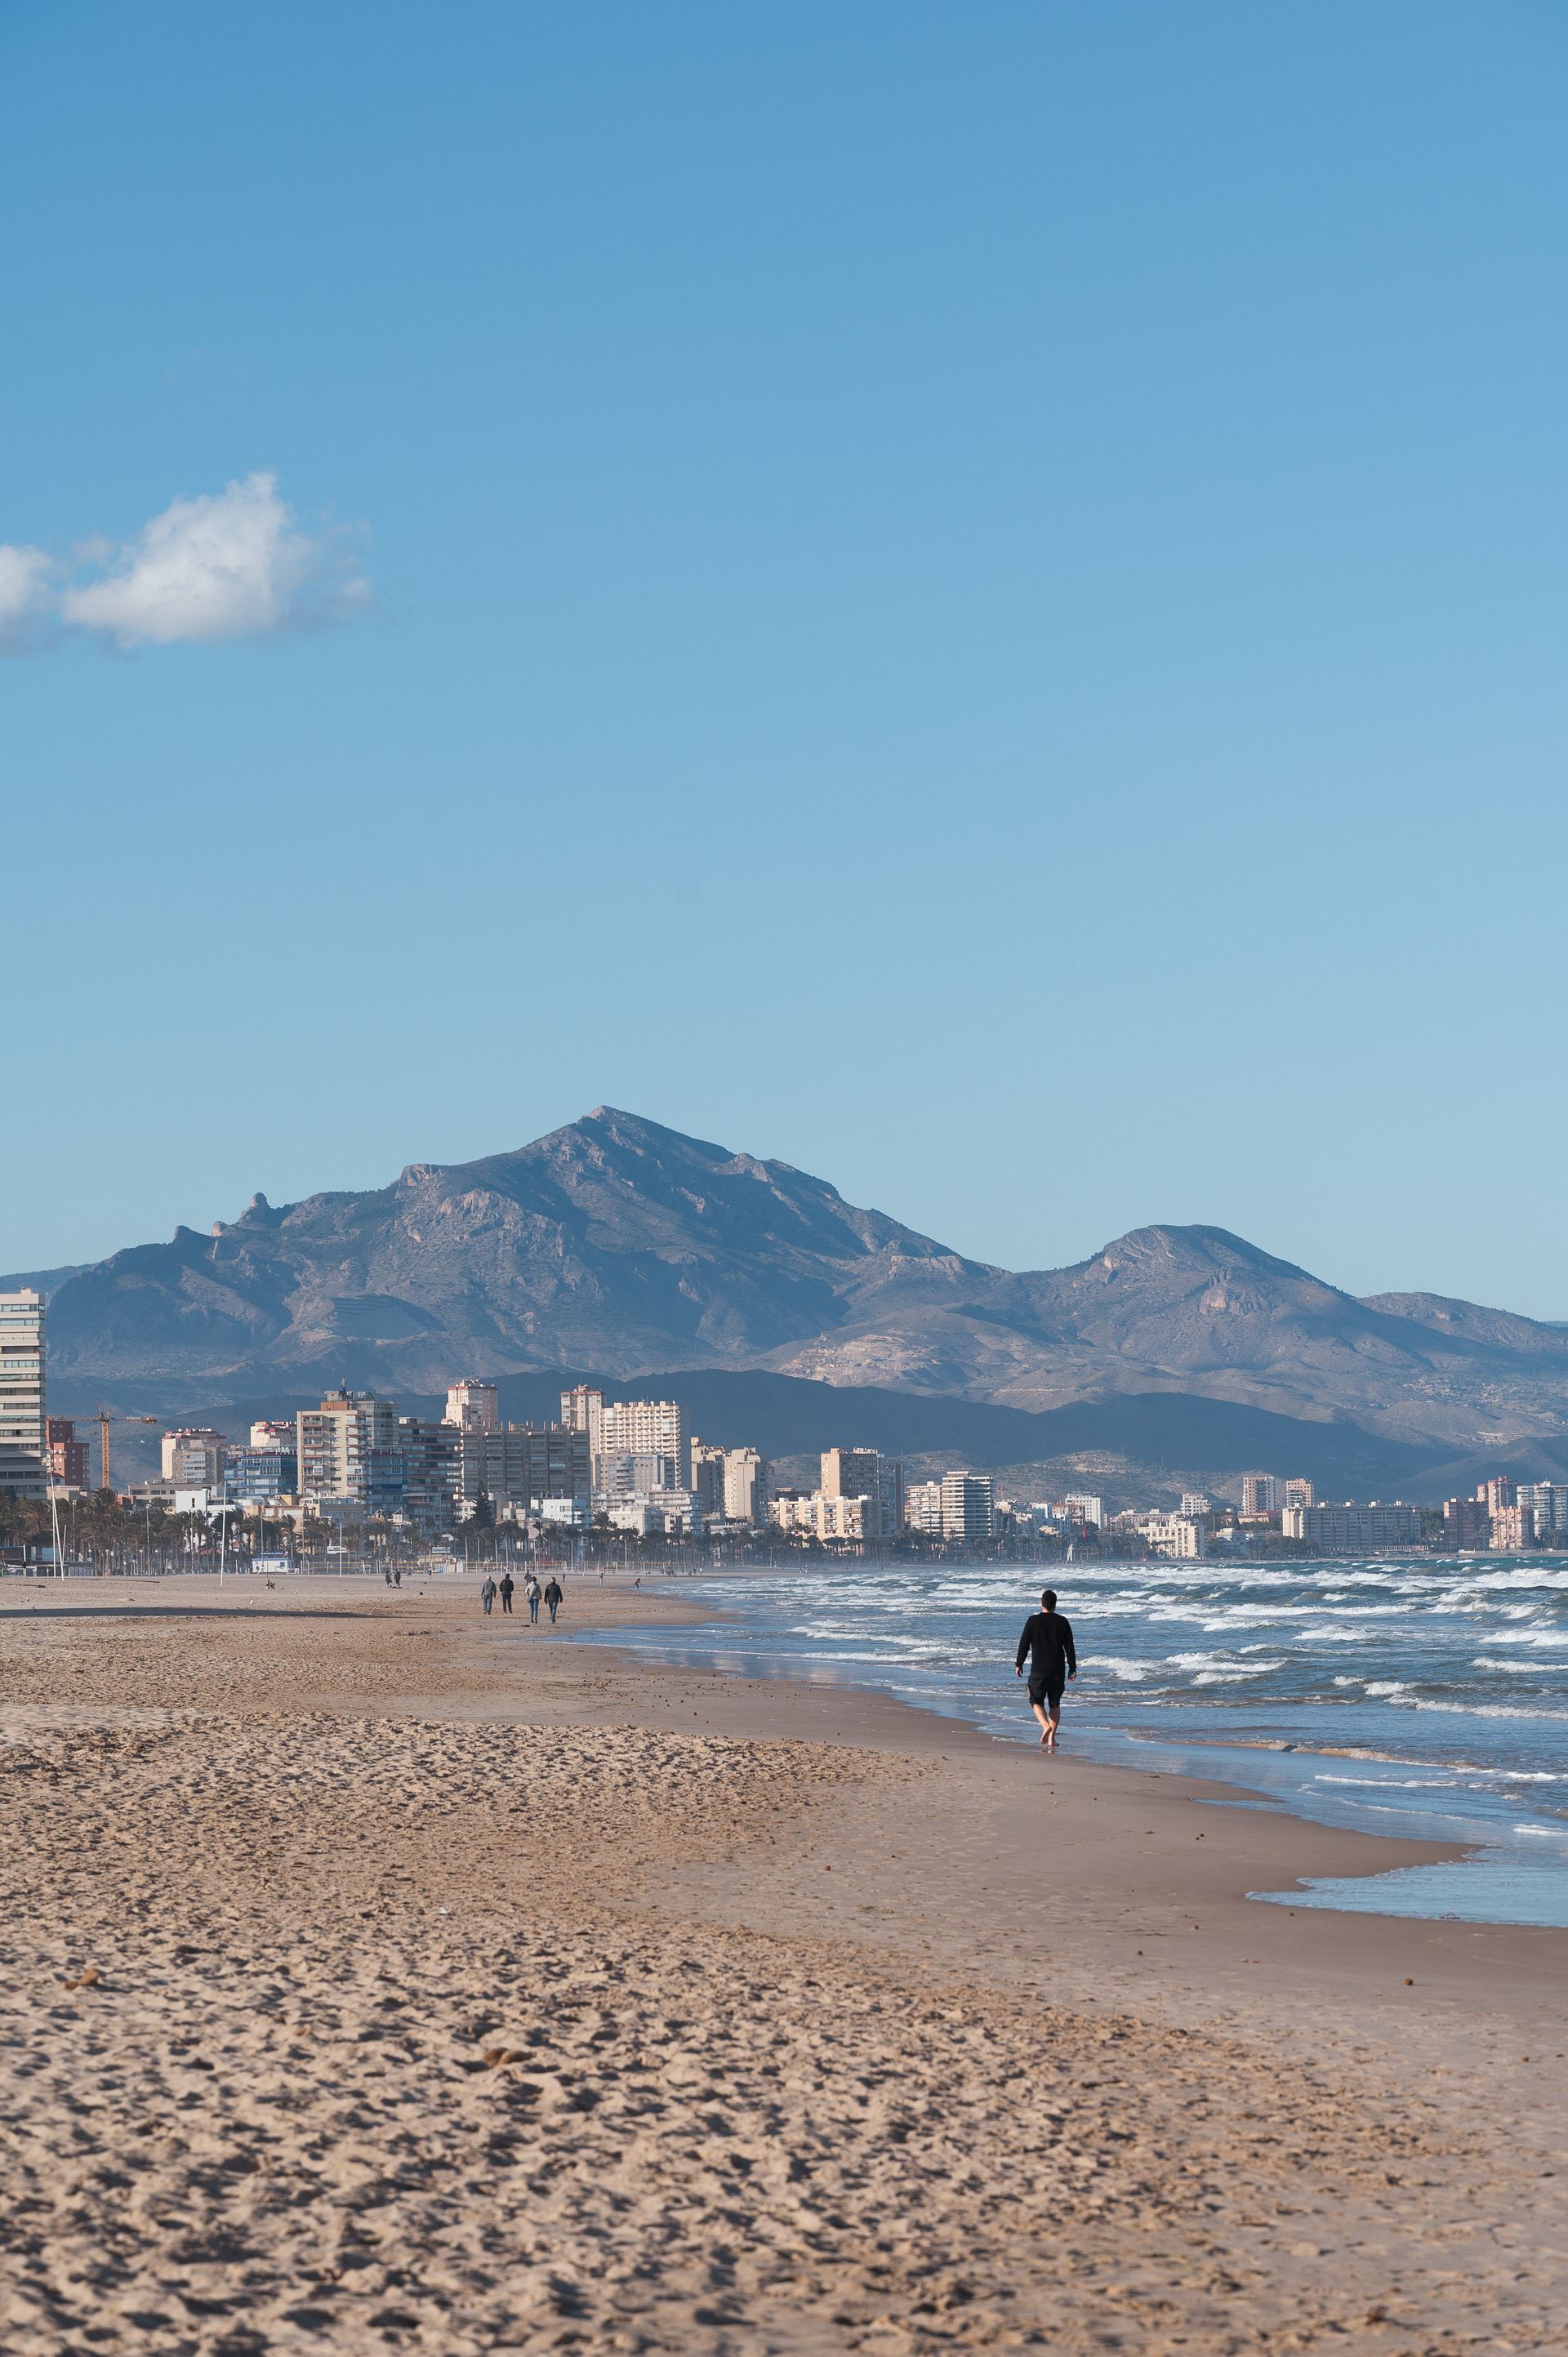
(1181, 1537)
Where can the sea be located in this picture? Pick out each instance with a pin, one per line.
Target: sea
(1425, 1697)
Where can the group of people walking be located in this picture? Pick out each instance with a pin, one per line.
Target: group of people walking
(552, 1593)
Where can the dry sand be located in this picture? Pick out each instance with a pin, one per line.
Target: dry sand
(379, 1977)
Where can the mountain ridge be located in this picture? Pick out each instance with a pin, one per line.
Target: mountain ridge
(618, 1242)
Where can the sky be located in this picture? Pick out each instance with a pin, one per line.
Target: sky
(970, 597)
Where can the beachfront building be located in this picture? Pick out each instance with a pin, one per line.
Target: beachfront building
(432, 1467)
(923, 1509)
(348, 1454)
(867, 1473)
(832, 1521)
(642, 1428)
(1465, 1523)
(1547, 1501)
(623, 1428)
(1180, 1536)
(969, 1507)
(193, 1458)
(729, 1483)
(1354, 1530)
(472, 1407)
(258, 1475)
(521, 1463)
(1082, 1509)
(1299, 1491)
(1259, 1496)
(22, 1460)
(1513, 1530)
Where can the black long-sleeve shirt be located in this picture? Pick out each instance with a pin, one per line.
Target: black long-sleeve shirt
(1049, 1637)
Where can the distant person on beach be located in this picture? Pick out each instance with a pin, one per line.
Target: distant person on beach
(554, 1597)
(532, 1590)
(505, 1591)
(1047, 1643)
(488, 1593)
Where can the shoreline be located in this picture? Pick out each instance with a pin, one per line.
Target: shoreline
(862, 1714)
(384, 1976)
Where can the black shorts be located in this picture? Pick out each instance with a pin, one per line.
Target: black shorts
(1051, 1695)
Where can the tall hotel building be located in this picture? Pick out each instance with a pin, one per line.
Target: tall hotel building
(22, 1466)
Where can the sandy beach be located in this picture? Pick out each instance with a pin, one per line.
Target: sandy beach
(377, 1976)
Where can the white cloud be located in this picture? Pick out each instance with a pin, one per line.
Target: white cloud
(27, 595)
(231, 564)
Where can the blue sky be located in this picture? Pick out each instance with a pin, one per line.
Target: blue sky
(970, 597)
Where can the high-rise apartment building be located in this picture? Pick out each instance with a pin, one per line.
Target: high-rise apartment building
(642, 1427)
(472, 1407)
(923, 1508)
(193, 1458)
(348, 1450)
(969, 1507)
(1088, 1511)
(1259, 1494)
(851, 1472)
(1513, 1530)
(1548, 1503)
(22, 1465)
(867, 1473)
(432, 1456)
(1465, 1523)
(1502, 1491)
(65, 1455)
(728, 1483)
(1300, 1493)
(746, 1486)
(523, 1464)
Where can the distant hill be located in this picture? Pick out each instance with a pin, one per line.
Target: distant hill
(617, 1244)
(47, 1281)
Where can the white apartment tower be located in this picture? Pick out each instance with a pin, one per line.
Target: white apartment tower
(969, 1506)
(22, 1469)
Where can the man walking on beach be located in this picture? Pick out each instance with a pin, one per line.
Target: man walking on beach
(505, 1591)
(553, 1596)
(488, 1593)
(1047, 1639)
(532, 1590)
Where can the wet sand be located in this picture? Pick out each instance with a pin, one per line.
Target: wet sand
(381, 1977)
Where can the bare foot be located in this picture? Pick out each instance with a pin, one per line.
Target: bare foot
(1047, 1741)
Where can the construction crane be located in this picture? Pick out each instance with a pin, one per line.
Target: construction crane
(102, 1419)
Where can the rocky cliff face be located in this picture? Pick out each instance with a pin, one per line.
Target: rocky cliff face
(620, 1244)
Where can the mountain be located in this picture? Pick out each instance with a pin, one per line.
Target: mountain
(617, 1244)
